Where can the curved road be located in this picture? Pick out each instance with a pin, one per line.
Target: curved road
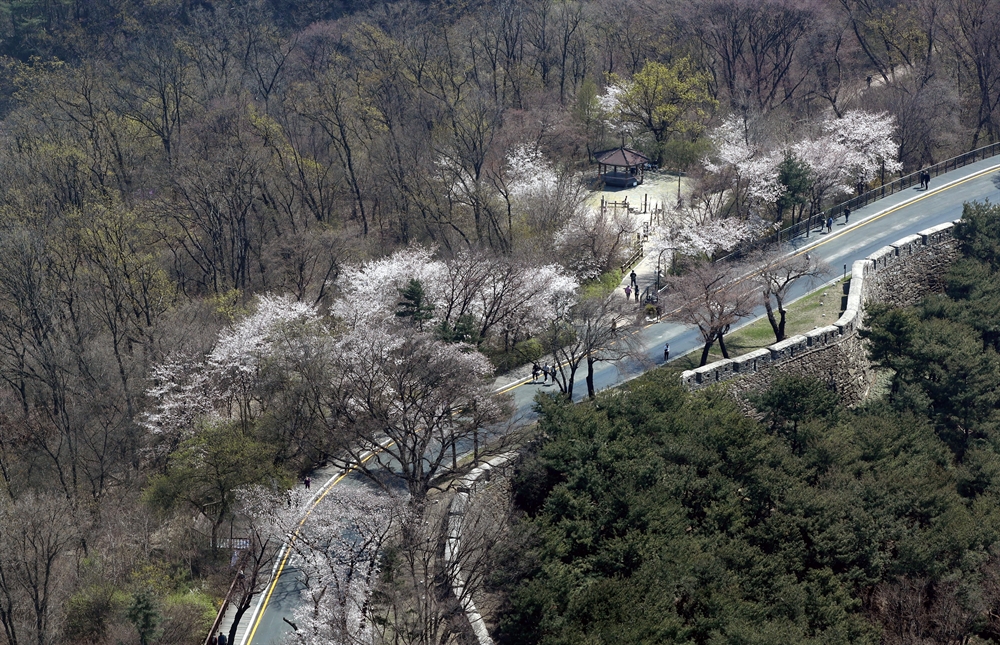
(872, 227)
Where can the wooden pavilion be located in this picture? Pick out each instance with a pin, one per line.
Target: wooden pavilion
(622, 167)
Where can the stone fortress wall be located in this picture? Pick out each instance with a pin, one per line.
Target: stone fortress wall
(899, 274)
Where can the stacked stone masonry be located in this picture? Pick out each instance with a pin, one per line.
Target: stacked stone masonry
(900, 274)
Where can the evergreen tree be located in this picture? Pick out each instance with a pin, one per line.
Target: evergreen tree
(796, 177)
(414, 303)
(143, 614)
(464, 330)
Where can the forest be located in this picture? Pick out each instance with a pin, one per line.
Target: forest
(655, 515)
(242, 238)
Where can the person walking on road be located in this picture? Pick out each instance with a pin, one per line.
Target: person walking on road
(222, 639)
(634, 279)
(636, 292)
(927, 180)
(829, 224)
(847, 215)
(534, 372)
(666, 352)
(628, 293)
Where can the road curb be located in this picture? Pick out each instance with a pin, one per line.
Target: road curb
(456, 515)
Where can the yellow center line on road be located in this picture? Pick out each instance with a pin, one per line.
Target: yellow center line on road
(829, 238)
(288, 549)
(897, 207)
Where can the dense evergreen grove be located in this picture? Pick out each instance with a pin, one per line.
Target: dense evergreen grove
(658, 516)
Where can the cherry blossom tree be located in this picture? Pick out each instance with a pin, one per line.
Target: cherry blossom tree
(408, 405)
(368, 292)
(828, 164)
(595, 242)
(501, 293)
(370, 385)
(497, 291)
(336, 556)
(708, 237)
(181, 393)
(524, 172)
(869, 138)
(745, 168)
(260, 369)
(851, 152)
(225, 383)
(269, 517)
(610, 110)
(278, 330)
(538, 198)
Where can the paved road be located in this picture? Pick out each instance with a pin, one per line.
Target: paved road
(871, 228)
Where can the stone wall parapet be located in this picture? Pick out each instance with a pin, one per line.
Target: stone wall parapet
(899, 274)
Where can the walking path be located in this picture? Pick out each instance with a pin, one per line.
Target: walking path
(870, 228)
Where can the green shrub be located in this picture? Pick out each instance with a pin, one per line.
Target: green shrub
(90, 611)
(187, 618)
(527, 351)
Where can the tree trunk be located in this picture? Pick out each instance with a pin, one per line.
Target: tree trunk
(566, 381)
(775, 327)
(705, 351)
(591, 392)
(722, 346)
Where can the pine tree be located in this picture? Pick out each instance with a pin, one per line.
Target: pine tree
(143, 614)
(414, 303)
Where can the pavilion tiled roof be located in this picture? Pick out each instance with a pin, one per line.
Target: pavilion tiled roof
(621, 157)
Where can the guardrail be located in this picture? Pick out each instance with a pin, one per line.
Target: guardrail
(632, 259)
(854, 203)
(217, 624)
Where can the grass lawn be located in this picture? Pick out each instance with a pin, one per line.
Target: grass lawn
(818, 309)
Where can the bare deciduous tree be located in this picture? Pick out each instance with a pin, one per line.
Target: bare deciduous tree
(712, 296)
(755, 45)
(39, 535)
(595, 328)
(776, 275)
(410, 403)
